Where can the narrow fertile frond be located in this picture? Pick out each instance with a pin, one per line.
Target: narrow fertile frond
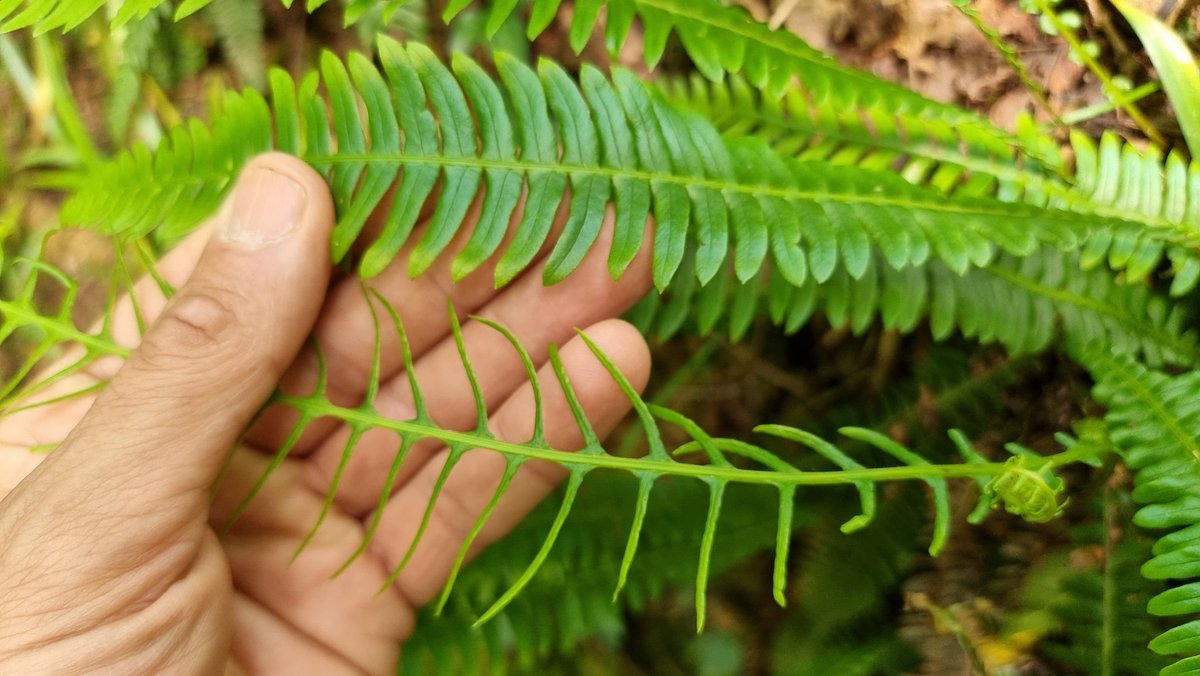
(724, 463)
(1154, 419)
(756, 465)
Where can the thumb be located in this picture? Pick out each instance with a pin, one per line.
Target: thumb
(162, 428)
(117, 515)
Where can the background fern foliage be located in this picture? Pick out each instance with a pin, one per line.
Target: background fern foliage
(964, 340)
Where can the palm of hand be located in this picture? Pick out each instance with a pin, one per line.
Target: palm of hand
(254, 607)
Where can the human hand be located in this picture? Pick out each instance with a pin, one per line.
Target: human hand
(109, 560)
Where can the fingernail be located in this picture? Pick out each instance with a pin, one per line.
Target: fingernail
(267, 206)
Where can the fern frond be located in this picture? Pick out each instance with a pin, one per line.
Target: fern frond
(722, 39)
(756, 465)
(867, 135)
(867, 562)
(1153, 418)
(1025, 304)
(1100, 623)
(1139, 182)
(632, 150)
(1110, 179)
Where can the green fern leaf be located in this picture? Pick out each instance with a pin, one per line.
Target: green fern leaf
(1026, 304)
(1100, 627)
(693, 196)
(1152, 417)
(1111, 179)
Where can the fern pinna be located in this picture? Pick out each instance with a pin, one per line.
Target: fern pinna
(784, 186)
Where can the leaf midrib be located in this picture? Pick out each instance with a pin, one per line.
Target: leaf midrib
(319, 407)
(1048, 184)
(943, 205)
(1135, 385)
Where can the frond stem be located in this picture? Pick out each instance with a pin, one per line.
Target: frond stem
(318, 408)
(95, 343)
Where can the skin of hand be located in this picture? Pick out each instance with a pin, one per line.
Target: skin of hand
(110, 561)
